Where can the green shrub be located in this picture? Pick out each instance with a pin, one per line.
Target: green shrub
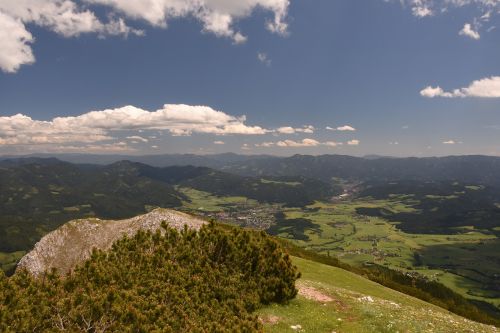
(206, 281)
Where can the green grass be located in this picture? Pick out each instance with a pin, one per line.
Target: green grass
(205, 201)
(357, 305)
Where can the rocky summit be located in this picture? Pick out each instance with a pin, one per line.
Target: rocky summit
(72, 243)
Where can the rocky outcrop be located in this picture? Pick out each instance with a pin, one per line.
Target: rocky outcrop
(73, 242)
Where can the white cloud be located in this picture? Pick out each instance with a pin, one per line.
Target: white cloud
(469, 31)
(64, 17)
(217, 16)
(449, 142)
(353, 142)
(309, 129)
(219, 143)
(332, 144)
(421, 8)
(341, 128)
(15, 40)
(265, 144)
(303, 143)
(137, 138)
(484, 88)
(98, 126)
(71, 18)
(299, 144)
(263, 58)
(425, 8)
(346, 128)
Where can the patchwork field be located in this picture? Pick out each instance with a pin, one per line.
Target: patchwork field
(467, 261)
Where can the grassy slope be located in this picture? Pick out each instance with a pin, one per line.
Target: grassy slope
(358, 305)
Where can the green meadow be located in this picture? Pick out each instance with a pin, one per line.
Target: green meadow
(334, 300)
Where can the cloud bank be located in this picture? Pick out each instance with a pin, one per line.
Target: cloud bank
(71, 18)
(98, 126)
(308, 142)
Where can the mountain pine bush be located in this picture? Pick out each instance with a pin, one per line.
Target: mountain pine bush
(209, 280)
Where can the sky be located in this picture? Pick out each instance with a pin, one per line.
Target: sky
(283, 77)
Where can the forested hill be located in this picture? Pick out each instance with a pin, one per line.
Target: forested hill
(38, 195)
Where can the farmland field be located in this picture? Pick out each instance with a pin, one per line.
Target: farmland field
(466, 260)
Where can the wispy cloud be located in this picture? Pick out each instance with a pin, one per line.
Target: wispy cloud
(427, 8)
(264, 58)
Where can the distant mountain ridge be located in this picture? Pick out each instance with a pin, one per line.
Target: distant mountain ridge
(467, 168)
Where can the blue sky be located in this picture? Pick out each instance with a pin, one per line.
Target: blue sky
(417, 78)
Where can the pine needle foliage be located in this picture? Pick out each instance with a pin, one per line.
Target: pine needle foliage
(209, 280)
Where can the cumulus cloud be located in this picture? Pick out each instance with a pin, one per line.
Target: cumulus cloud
(15, 41)
(216, 16)
(98, 126)
(64, 17)
(309, 129)
(469, 31)
(483, 88)
(303, 143)
(71, 18)
(341, 128)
